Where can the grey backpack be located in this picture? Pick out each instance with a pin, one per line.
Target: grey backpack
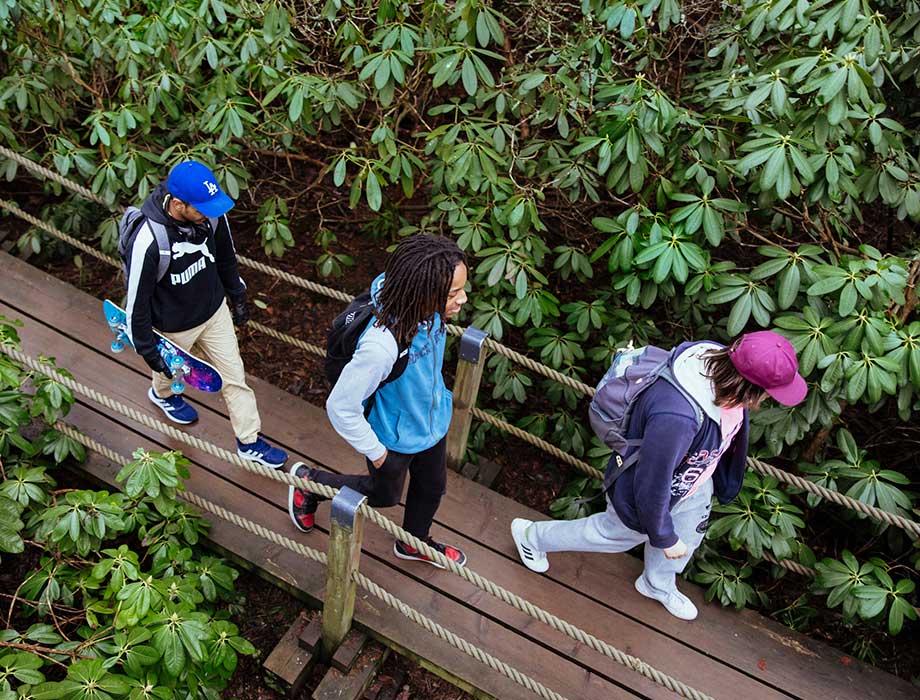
(631, 373)
(131, 223)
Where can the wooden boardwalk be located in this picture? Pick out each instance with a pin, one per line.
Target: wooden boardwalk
(724, 653)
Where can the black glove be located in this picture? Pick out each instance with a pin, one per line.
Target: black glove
(239, 309)
(155, 362)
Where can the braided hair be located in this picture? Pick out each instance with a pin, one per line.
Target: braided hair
(418, 278)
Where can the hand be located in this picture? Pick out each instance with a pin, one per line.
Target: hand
(380, 460)
(155, 362)
(678, 550)
(239, 309)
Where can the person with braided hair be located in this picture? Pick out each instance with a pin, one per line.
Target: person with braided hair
(399, 424)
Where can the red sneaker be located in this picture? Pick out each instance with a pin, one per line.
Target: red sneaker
(404, 551)
(301, 503)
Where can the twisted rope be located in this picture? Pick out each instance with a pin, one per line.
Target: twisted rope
(794, 566)
(315, 555)
(910, 526)
(37, 169)
(503, 594)
(294, 279)
(289, 339)
(535, 366)
(48, 228)
(548, 447)
(457, 641)
(492, 345)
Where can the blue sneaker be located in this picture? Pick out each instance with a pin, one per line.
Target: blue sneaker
(175, 408)
(262, 453)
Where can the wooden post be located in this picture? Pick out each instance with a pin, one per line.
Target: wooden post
(345, 534)
(466, 388)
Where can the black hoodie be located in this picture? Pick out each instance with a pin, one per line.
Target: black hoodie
(201, 273)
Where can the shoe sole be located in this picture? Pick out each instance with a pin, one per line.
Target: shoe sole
(291, 501)
(534, 565)
(168, 415)
(641, 587)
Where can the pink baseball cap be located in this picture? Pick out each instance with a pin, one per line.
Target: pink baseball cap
(768, 360)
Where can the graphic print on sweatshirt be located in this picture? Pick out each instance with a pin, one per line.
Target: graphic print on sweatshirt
(697, 464)
(180, 249)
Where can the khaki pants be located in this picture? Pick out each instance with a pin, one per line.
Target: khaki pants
(215, 341)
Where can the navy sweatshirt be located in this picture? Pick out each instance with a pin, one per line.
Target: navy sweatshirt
(672, 455)
(201, 273)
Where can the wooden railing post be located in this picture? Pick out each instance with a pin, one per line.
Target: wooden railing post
(345, 534)
(466, 389)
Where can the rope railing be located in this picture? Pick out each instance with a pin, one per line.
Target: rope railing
(320, 557)
(471, 576)
(48, 228)
(909, 526)
(296, 280)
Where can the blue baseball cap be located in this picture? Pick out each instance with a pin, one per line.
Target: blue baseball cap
(195, 184)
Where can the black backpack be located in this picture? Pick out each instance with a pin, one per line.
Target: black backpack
(343, 336)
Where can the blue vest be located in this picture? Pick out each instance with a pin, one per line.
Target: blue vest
(413, 412)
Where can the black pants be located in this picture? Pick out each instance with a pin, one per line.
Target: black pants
(383, 487)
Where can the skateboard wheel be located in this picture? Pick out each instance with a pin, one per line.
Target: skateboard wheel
(175, 362)
(117, 346)
(177, 387)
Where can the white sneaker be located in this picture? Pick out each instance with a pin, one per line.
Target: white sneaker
(533, 558)
(674, 602)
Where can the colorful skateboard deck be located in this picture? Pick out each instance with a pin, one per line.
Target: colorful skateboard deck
(185, 367)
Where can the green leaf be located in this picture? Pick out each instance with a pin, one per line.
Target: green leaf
(833, 84)
(740, 314)
(788, 286)
(374, 195)
(826, 286)
(468, 75)
(773, 168)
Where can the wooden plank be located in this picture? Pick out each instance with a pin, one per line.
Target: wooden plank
(566, 677)
(347, 653)
(652, 647)
(288, 666)
(759, 648)
(350, 685)
(688, 665)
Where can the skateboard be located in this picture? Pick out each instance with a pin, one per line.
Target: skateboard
(185, 367)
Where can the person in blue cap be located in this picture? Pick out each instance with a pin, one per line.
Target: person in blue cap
(185, 220)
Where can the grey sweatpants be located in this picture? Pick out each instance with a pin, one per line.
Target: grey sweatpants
(605, 532)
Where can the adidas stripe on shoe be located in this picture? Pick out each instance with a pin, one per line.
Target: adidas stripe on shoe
(177, 409)
(533, 558)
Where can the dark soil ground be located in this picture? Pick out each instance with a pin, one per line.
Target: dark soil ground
(529, 477)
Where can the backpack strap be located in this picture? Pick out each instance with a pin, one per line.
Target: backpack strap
(621, 465)
(161, 236)
(134, 220)
(697, 410)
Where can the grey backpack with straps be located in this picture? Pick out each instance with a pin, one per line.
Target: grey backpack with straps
(631, 373)
(131, 223)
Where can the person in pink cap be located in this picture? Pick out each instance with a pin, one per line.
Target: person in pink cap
(689, 430)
